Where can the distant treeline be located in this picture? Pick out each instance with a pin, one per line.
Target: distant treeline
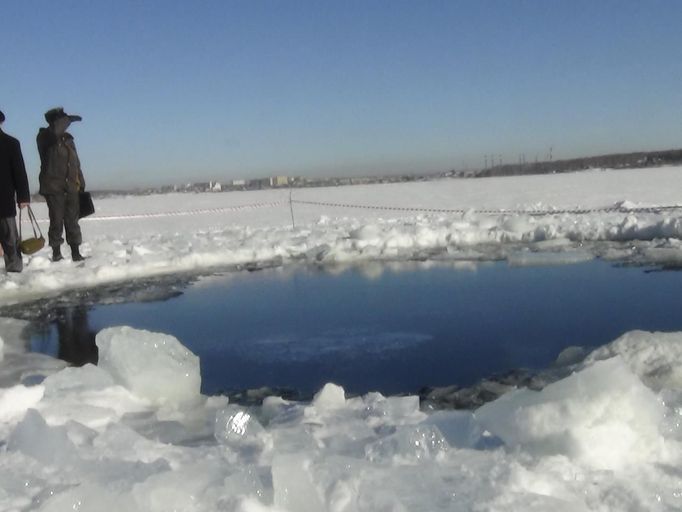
(616, 161)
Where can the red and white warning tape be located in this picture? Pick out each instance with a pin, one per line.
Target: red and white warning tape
(252, 206)
(571, 211)
(180, 213)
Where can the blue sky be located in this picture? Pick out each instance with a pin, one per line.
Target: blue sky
(173, 91)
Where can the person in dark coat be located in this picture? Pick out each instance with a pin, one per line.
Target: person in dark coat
(13, 190)
(61, 180)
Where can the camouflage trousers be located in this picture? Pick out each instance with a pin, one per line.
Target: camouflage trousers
(64, 211)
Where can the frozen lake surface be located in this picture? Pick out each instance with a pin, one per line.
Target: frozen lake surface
(388, 328)
(600, 431)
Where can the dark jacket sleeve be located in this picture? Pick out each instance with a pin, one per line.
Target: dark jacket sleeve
(19, 175)
(43, 140)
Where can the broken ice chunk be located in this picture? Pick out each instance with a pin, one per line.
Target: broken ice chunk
(409, 445)
(152, 365)
(240, 430)
(329, 397)
(35, 438)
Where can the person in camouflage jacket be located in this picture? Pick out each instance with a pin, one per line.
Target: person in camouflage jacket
(61, 181)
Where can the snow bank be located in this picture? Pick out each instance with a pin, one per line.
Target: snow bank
(135, 434)
(167, 234)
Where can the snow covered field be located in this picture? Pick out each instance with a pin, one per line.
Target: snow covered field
(150, 242)
(135, 434)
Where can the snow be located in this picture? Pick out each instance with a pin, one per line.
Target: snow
(133, 237)
(135, 434)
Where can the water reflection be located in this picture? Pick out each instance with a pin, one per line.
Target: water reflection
(394, 328)
(69, 336)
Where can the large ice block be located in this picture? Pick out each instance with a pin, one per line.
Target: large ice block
(152, 365)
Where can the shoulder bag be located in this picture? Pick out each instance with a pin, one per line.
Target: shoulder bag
(31, 245)
(85, 204)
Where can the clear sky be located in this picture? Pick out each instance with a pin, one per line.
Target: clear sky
(173, 91)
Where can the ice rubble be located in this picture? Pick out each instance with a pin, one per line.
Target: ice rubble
(605, 438)
(603, 417)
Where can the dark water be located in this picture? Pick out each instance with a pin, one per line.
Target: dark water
(384, 329)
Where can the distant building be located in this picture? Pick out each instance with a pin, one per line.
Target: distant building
(279, 181)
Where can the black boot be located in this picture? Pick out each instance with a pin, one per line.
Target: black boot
(75, 253)
(57, 253)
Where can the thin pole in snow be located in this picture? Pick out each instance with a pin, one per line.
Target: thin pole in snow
(291, 208)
